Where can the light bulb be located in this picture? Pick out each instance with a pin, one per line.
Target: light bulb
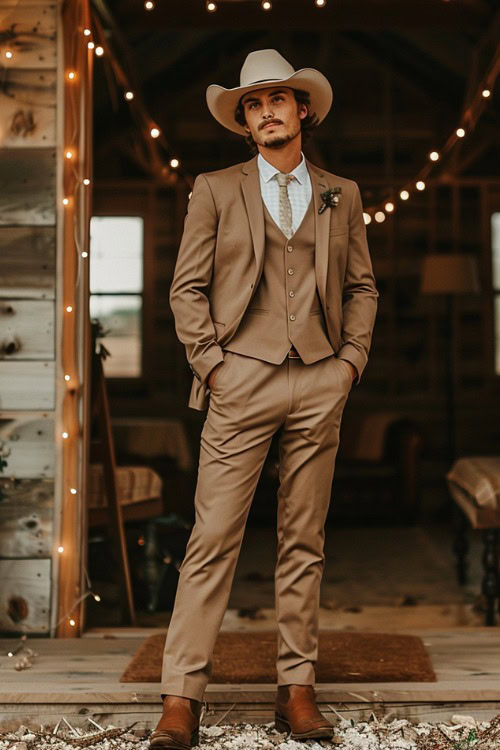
(65, 435)
(404, 195)
(155, 132)
(320, 3)
(91, 45)
(367, 217)
(65, 201)
(72, 623)
(420, 185)
(71, 75)
(86, 181)
(149, 5)
(67, 377)
(9, 55)
(99, 51)
(389, 207)
(60, 550)
(69, 308)
(380, 216)
(97, 597)
(266, 5)
(87, 32)
(129, 95)
(211, 7)
(174, 163)
(434, 156)
(190, 195)
(69, 154)
(84, 254)
(460, 132)
(72, 490)
(486, 93)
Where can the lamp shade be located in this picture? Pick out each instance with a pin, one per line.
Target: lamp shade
(455, 273)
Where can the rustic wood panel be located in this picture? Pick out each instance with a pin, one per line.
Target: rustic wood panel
(27, 262)
(26, 329)
(27, 443)
(28, 29)
(25, 596)
(28, 108)
(26, 516)
(27, 186)
(27, 385)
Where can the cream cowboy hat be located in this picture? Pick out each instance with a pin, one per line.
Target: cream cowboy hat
(265, 68)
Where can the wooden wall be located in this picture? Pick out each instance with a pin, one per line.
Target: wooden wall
(28, 160)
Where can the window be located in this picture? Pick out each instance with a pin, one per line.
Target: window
(116, 290)
(495, 263)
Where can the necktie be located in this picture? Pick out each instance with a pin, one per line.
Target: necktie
(285, 206)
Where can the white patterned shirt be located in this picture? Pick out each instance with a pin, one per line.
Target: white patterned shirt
(299, 190)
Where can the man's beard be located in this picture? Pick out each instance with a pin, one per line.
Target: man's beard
(280, 141)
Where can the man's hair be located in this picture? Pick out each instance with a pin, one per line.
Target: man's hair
(307, 125)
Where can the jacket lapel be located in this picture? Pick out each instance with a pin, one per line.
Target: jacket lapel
(250, 185)
(322, 229)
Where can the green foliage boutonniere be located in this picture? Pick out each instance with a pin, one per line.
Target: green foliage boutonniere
(330, 198)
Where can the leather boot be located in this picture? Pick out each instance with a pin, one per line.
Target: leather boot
(178, 728)
(298, 715)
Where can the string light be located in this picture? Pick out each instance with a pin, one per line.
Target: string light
(486, 93)
(420, 185)
(71, 75)
(379, 216)
(69, 308)
(149, 5)
(129, 95)
(72, 622)
(211, 7)
(434, 156)
(389, 207)
(266, 5)
(86, 181)
(91, 45)
(84, 254)
(460, 132)
(87, 32)
(64, 435)
(404, 195)
(155, 132)
(72, 490)
(99, 51)
(69, 154)
(174, 163)
(367, 217)
(320, 3)
(65, 201)
(9, 55)
(60, 550)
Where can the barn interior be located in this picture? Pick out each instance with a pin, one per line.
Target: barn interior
(404, 80)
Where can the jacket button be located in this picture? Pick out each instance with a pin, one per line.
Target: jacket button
(292, 317)
(291, 294)
(289, 248)
(290, 271)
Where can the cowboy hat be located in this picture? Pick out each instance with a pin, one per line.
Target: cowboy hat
(265, 68)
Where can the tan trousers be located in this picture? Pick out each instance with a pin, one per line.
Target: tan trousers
(250, 400)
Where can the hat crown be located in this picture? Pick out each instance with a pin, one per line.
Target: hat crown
(264, 65)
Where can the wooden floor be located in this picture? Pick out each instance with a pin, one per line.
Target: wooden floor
(79, 678)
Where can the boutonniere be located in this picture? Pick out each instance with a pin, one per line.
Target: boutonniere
(330, 198)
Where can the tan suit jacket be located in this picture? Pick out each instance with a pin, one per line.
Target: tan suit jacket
(221, 257)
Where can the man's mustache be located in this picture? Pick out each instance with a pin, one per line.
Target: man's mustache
(270, 122)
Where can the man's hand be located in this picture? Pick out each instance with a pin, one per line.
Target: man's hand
(213, 374)
(351, 367)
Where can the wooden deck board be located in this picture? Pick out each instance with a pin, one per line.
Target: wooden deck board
(80, 677)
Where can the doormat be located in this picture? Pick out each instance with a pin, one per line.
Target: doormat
(342, 657)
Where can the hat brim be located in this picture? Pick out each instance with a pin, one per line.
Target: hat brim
(222, 102)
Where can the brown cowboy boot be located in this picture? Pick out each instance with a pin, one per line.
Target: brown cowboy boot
(298, 715)
(178, 728)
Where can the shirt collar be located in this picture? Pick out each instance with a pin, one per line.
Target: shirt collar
(267, 171)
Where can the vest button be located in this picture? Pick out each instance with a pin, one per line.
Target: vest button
(292, 294)
(290, 271)
(289, 248)
(292, 317)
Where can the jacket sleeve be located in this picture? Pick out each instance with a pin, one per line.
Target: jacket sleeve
(191, 282)
(359, 294)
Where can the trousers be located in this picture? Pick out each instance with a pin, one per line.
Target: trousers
(250, 400)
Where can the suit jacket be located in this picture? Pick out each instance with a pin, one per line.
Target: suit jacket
(221, 257)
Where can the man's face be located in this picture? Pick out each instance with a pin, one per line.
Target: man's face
(273, 116)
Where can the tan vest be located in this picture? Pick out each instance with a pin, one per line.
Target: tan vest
(285, 309)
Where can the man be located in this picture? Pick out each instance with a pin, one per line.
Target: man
(275, 300)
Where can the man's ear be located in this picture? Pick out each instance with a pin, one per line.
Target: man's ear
(302, 111)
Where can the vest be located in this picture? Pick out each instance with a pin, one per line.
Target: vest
(285, 309)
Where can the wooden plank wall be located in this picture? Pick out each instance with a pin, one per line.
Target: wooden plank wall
(28, 160)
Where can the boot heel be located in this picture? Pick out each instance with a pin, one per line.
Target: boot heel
(195, 738)
(281, 725)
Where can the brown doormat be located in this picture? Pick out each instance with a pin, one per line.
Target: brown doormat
(343, 657)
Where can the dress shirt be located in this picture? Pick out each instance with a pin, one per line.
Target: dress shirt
(299, 190)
